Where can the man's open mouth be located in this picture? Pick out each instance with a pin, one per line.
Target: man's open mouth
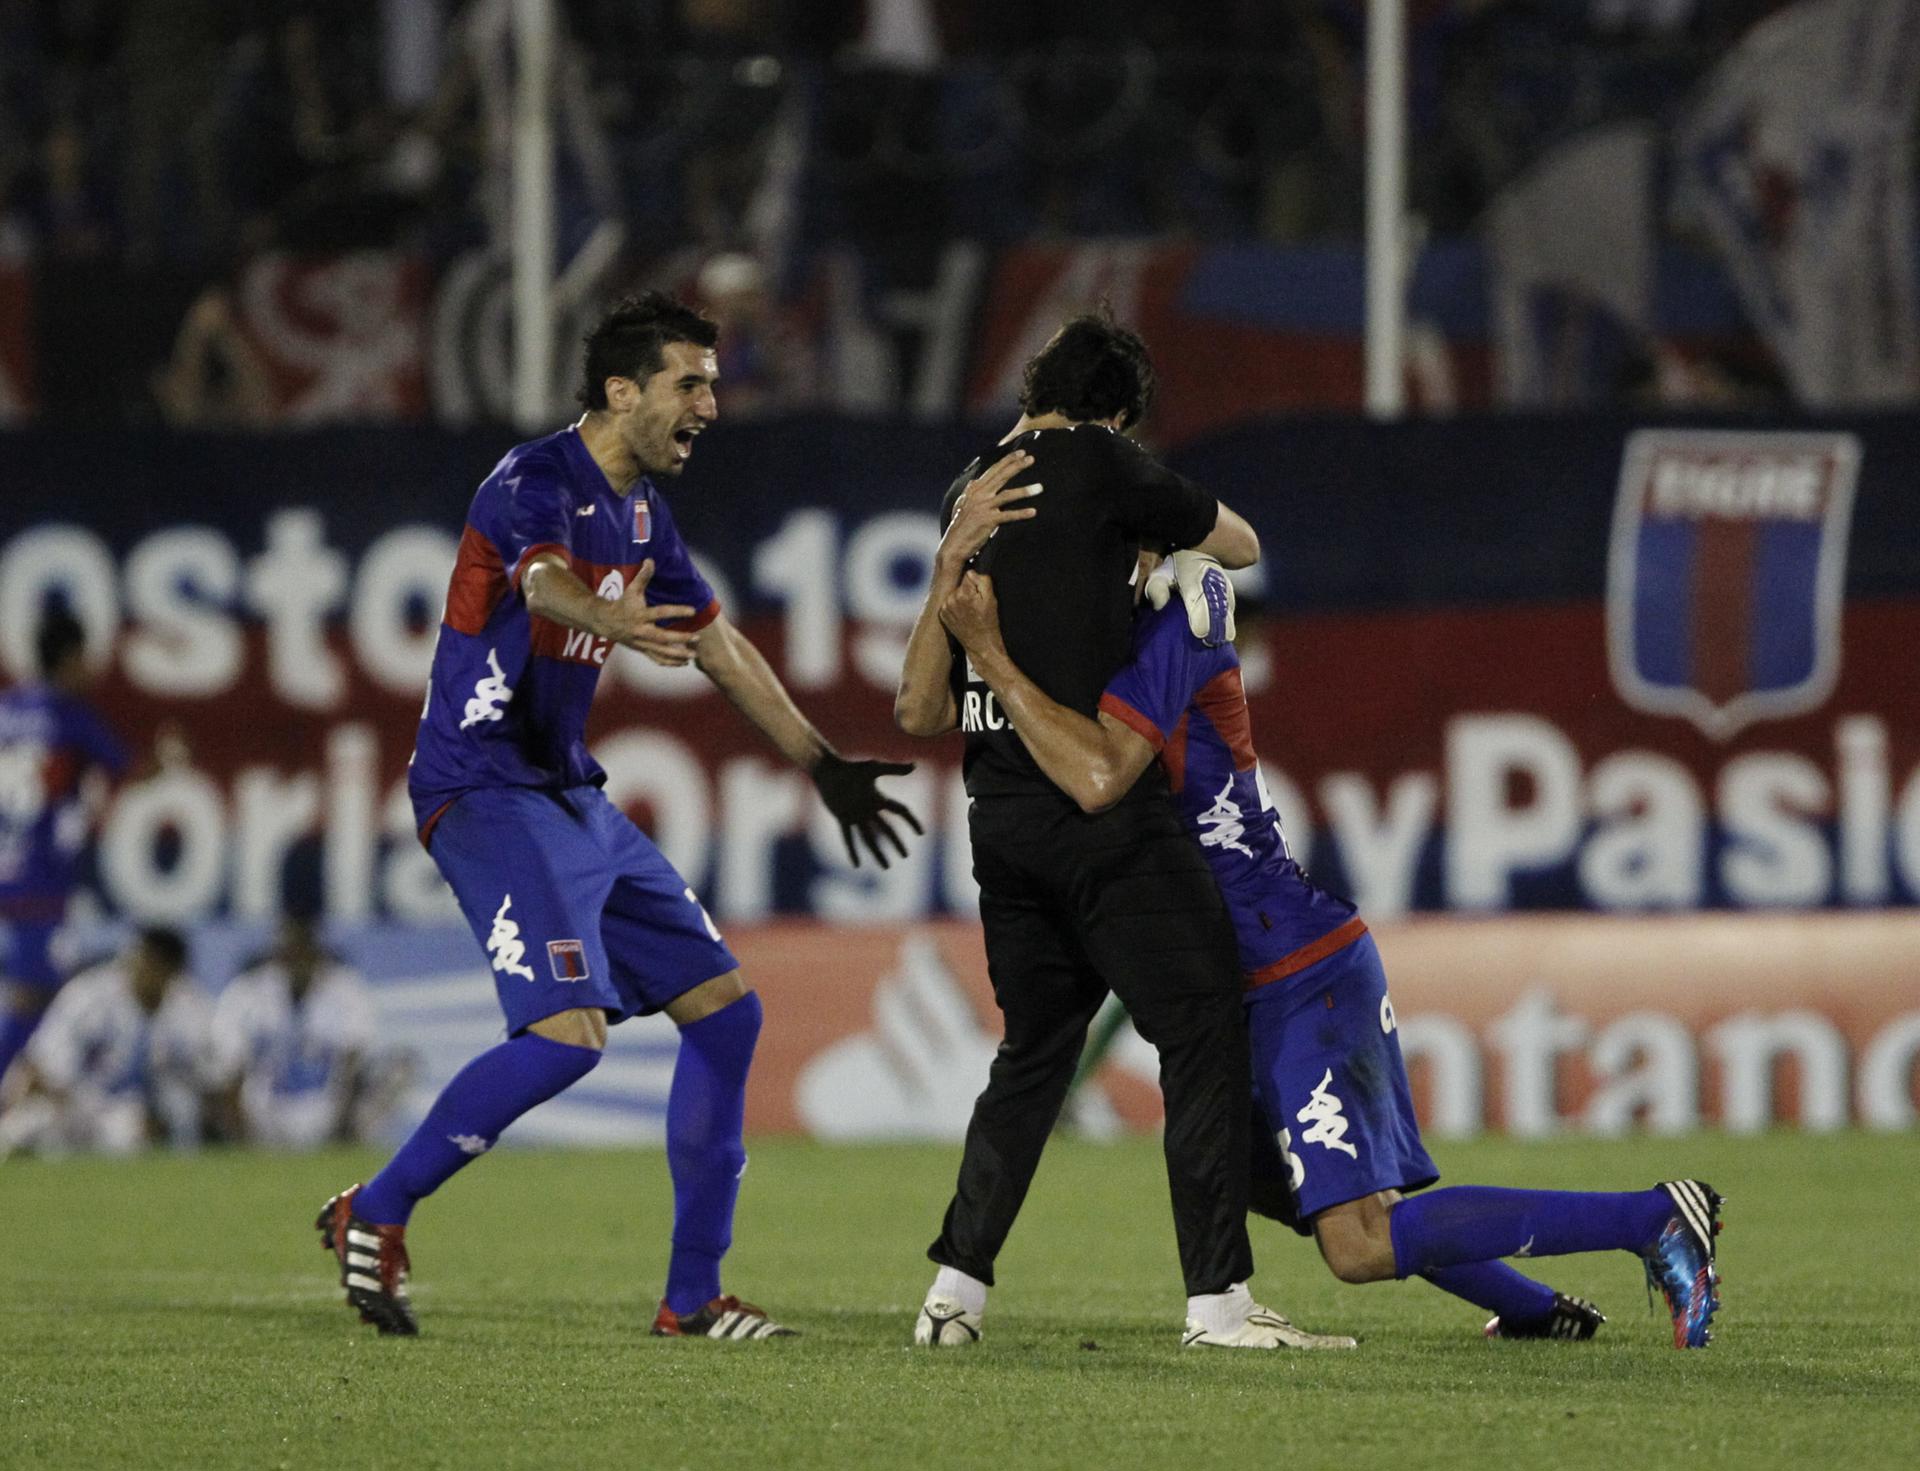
(683, 440)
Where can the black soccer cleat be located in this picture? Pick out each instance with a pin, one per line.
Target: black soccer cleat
(724, 1317)
(373, 1265)
(1572, 1318)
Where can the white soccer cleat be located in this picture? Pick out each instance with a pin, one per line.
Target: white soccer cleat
(1262, 1328)
(943, 1323)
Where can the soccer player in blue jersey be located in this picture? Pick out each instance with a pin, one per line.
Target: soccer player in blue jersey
(51, 742)
(569, 550)
(1318, 1015)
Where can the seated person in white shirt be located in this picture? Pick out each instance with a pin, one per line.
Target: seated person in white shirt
(294, 1036)
(120, 1061)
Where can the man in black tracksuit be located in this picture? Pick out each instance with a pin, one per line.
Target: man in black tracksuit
(1075, 904)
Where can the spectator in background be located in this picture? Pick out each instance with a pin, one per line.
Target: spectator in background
(173, 66)
(763, 362)
(57, 203)
(121, 1060)
(294, 1048)
(74, 207)
(322, 158)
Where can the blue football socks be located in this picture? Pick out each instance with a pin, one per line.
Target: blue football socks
(484, 1097)
(1508, 1295)
(706, 1108)
(1479, 1223)
(15, 1028)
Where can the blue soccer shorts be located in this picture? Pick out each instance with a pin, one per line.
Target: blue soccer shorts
(573, 904)
(1330, 1079)
(28, 954)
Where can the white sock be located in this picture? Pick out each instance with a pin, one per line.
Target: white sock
(1221, 1312)
(956, 1286)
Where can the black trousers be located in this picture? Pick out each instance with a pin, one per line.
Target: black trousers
(1074, 906)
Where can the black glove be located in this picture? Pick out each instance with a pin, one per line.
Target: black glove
(850, 790)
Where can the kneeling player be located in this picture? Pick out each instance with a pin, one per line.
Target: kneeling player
(1326, 1060)
(296, 1048)
(120, 1062)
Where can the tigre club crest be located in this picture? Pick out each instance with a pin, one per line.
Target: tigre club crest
(1727, 571)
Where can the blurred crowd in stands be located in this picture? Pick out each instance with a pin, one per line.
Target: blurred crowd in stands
(198, 131)
(800, 168)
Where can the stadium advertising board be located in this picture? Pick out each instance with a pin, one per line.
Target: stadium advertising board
(1636, 672)
(1525, 666)
(1533, 1025)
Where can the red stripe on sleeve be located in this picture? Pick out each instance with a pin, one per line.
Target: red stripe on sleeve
(520, 567)
(1133, 720)
(699, 620)
(1223, 700)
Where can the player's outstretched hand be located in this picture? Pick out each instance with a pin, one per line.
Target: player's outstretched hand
(971, 613)
(632, 622)
(1204, 588)
(986, 505)
(850, 790)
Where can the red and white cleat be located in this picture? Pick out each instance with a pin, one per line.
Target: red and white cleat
(373, 1265)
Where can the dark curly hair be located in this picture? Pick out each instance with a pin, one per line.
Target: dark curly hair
(628, 341)
(1092, 369)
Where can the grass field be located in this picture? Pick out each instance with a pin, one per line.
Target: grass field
(178, 1312)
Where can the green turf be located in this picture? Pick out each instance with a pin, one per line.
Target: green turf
(178, 1312)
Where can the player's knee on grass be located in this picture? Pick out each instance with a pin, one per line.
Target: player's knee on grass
(1356, 1238)
(707, 998)
(583, 1026)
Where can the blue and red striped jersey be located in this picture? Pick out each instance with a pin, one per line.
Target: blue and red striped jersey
(49, 741)
(508, 697)
(1185, 699)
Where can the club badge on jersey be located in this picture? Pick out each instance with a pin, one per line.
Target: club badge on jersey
(642, 520)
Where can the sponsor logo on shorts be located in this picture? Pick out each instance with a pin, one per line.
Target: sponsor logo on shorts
(568, 959)
(1329, 1124)
(504, 944)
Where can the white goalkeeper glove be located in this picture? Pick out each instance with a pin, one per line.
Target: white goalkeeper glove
(1205, 590)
